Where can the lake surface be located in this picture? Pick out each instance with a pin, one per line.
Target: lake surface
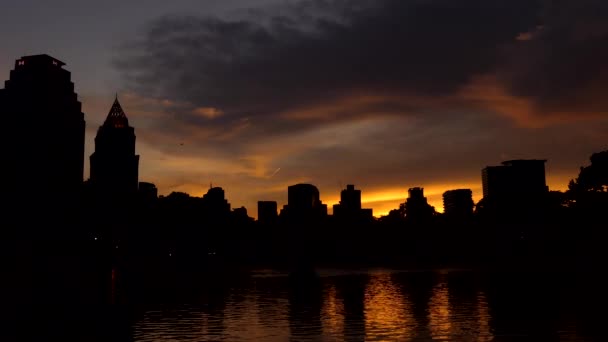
(374, 305)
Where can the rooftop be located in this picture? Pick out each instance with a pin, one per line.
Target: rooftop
(39, 60)
(116, 117)
(523, 161)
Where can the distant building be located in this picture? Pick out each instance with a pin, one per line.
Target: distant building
(458, 203)
(267, 212)
(215, 202)
(42, 147)
(303, 197)
(417, 207)
(114, 164)
(528, 176)
(349, 207)
(350, 198)
(240, 213)
(517, 187)
(495, 181)
(515, 179)
(303, 202)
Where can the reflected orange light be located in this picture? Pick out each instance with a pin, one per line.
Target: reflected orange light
(439, 312)
(483, 319)
(248, 319)
(388, 314)
(333, 314)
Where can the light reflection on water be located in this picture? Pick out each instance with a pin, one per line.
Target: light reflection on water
(387, 312)
(440, 317)
(374, 306)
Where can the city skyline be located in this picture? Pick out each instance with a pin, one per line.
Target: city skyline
(117, 118)
(354, 131)
(280, 170)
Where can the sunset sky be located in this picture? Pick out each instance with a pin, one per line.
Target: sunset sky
(256, 95)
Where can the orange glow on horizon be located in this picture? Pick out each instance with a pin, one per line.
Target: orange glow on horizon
(382, 201)
(385, 200)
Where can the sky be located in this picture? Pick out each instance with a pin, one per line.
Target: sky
(257, 95)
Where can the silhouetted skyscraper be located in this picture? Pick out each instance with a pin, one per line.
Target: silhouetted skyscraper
(417, 207)
(350, 206)
(44, 151)
(458, 203)
(528, 176)
(303, 202)
(495, 181)
(515, 179)
(303, 197)
(215, 202)
(114, 164)
(350, 198)
(267, 212)
(517, 187)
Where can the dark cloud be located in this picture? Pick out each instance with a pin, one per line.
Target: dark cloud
(386, 94)
(562, 65)
(304, 55)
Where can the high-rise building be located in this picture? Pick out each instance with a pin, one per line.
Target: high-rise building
(350, 206)
(302, 197)
(215, 202)
(267, 212)
(514, 179)
(528, 176)
(515, 189)
(458, 203)
(114, 164)
(44, 151)
(303, 202)
(417, 207)
(350, 198)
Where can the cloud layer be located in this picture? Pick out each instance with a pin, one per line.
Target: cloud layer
(380, 92)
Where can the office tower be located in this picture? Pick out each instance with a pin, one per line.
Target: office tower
(114, 164)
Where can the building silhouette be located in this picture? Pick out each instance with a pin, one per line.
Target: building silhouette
(114, 164)
(518, 178)
(267, 212)
(495, 181)
(515, 187)
(458, 203)
(349, 207)
(240, 215)
(303, 203)
(417, 207)
(44, 154)
(215, 203)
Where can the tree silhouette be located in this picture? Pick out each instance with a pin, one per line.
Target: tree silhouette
(592, 178)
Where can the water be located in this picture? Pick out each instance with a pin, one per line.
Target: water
(376, 305)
